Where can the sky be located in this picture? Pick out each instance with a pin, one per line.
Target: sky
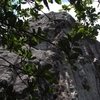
(55, 7)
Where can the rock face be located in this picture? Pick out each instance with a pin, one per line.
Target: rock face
(82, 84)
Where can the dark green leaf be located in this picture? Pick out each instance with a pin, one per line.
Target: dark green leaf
(33, 41)
(28, 54)
(47, 67)
(35, 98)
(28, 68)
(51, 1)
(77, 37)
(74, 56)
(69, 37)
(74, 68)
(98, 13)
(39, 31)
(12, 20)
(23, 2)
(39, 0)
(2, 96)
(25, 91)
(52, 74)
(72, 2)
(77, 50)
(19, 23)
(19, 8)
(9, 14)
(58, 1)
(65, 7)
(46, 3)
(93, 10)
(38, 7)
(47, 75)
(32, 58)
(37, 40)
(76, 44)
(54, 81)
(14, 6)
(9, 89)
(51, 90)
(65, 45)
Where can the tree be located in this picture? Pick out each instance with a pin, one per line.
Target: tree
(14, 35)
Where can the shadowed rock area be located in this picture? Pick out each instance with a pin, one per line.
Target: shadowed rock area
(82, 84)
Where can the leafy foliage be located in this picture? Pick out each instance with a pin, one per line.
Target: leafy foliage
(14, 35)
(86, 18)
(85, 27)
(70, 46)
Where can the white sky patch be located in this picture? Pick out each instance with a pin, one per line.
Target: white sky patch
(55, 7)
(97, 6)
(24, 6)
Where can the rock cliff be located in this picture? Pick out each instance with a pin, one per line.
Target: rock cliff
(82, 84)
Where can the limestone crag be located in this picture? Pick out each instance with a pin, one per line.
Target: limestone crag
(82, 84)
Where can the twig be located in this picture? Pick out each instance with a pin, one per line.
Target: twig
(31, 2)
(10, 64)
(13, 66)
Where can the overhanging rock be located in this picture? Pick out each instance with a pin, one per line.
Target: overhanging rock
(83, 84)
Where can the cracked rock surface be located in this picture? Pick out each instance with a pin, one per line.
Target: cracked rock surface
(83, 84)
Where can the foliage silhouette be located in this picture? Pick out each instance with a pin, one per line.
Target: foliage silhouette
(14, 35)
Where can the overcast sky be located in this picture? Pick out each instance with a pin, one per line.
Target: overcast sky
(55, 7)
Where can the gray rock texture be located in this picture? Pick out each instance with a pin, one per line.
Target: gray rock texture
(82, 84)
